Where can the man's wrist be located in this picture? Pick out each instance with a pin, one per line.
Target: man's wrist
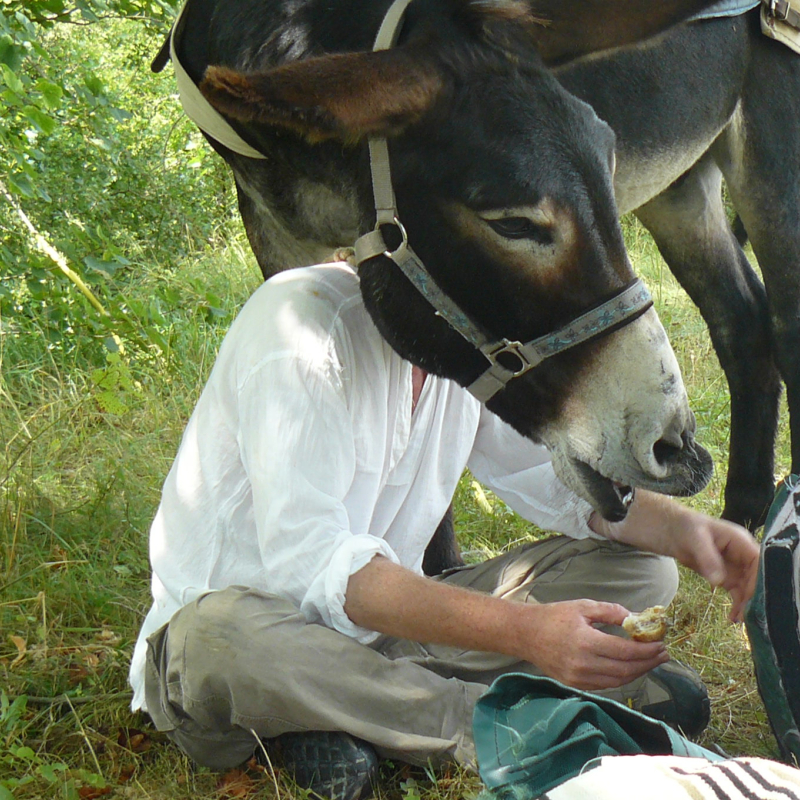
(599, 525)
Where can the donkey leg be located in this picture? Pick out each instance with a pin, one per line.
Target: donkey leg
(762, 171)
(689, 225)
(442, 551)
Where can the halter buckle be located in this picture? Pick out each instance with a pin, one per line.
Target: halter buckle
(509, 349)
(779, 9)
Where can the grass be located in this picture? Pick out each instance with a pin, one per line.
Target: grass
(85, 451)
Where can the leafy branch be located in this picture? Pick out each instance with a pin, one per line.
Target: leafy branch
(57, 258)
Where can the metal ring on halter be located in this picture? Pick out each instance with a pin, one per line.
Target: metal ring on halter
(403, 244)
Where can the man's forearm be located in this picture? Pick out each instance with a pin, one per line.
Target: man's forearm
(559, 638)
(653, 523)
(388, 598)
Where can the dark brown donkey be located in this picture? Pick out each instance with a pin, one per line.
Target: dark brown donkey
(503, 184)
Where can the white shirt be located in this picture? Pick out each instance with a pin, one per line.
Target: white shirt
(303, 460)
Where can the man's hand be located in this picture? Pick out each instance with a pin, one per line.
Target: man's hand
(564, 644)
(724, 553)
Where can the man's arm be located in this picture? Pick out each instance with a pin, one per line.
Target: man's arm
(558, 638)
(724, 553)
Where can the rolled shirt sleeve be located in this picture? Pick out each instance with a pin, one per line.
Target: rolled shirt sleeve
(521, 474)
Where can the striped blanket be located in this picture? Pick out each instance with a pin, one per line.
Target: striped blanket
(675, 778)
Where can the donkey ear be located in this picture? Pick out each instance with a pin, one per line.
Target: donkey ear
(572, 28)
(344, 96)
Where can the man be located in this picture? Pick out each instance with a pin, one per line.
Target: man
(289, 605)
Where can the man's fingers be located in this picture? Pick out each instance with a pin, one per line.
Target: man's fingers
(612, 647)
(605, 613)
(739, 603)
(740, 553)
(616, 648)
(708, 560)
(604, 673)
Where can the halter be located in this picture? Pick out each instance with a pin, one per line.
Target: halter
(507, 359)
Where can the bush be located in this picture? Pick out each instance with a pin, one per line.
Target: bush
(98, 155)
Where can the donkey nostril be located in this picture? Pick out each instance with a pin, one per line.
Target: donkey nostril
(668, 450)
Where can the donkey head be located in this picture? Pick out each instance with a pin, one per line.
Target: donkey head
(504, 185)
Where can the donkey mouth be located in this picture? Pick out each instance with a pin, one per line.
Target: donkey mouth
(611, 498)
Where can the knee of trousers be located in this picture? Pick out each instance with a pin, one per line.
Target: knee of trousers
(599, 569)
(228, 663)
(656, 581)
(618, 573)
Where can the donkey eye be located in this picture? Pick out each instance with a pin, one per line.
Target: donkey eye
(521, 228)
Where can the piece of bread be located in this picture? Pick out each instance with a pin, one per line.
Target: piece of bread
(649, 625)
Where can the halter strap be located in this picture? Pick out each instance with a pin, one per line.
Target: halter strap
(199, 110)
(623, 307)
(631, 302)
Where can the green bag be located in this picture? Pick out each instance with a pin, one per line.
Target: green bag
(532, 734)
(772, 619)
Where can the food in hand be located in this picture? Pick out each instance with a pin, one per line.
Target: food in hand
(649, 625)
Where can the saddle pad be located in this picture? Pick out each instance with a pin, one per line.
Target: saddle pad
(673, 778)
(727, 8)
(772, 619)
(784, 31)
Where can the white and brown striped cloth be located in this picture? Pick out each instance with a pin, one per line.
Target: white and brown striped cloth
(673, 778)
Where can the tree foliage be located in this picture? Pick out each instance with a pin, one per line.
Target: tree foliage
(37, 87)
(96, 154)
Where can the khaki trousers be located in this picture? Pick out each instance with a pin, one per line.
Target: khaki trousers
(237, 664)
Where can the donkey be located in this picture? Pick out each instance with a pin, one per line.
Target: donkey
(712, 99)
(503, 185)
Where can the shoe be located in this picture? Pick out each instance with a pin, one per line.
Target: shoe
(675, 694)
(333, 765)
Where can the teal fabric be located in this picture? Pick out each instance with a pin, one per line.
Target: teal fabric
(533, 733)
(782, 528)
(727, 8)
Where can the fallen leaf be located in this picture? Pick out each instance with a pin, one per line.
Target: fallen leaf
(126, 772)
(76, 674)
(254, 766)
(107, 636)
(22, 649)
(140, 743)
(91, 660)
(93, 792)
(134, 740)
(235, 784)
